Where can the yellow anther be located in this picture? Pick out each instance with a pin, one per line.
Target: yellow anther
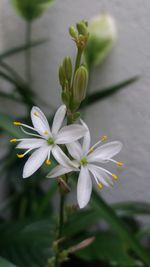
(13, 140)
(48, 162)
(20, 156)
(36, 114)
(46, 132)
(119, 163)
(91, 149)
(104, 138)
(100, 185)
(114, 176)
(17, 123)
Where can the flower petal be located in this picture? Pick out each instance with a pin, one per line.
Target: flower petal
(75, 150)
(100, 175)
(40, 122)
(31, 143)
(58, 171)
(58, 119)
(70, 134)
(62, 159)
(86, 139)
(84, 187)
(105, 152)
(35, 161)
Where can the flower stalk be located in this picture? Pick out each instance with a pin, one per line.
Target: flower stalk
(28, 52)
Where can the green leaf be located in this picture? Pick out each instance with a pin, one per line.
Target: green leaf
(132, 208)
(106, 92)
(101, 207)
(30, 9)
(21, 48)
(9, 96)
(109, 248)
(6, 263)
(6, 123)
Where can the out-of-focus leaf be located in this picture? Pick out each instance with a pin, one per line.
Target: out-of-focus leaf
(107, 247)
(6, 263)
(9, 96)
(21, 48)
(27, 243)
(103, 93)
(6, 123)
(144, 232)
(31, 10)
(101, 207)
(132, 208)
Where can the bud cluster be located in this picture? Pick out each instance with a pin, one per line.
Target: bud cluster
(81, 34)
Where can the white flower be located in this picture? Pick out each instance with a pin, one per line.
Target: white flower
(86, 160)
(47, 140)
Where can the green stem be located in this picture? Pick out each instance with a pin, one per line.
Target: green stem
(61, 215)
(28, 53)
(118, 225)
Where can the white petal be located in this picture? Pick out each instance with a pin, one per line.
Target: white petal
(75, 150)
(58, 119)
(58, 171)
(35, 161)
(40, 122)
(100, 175)
(31, 143)
(62, 159)
(105, 152)
(86, 139)
(84, 187)
(70, 134)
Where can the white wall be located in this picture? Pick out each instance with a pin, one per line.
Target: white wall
(126, 115)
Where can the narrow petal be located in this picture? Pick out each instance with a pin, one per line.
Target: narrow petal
(105, 152)
(70, 134)
(84, 187)
(40, 122)
(62, 159)
(58, 119)
(86, 139)
(58, 171)
(31, 143)
(100, 175)
(35, 161)
(75, 150)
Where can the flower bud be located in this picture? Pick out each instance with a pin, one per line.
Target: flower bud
(80, 85)
(73, 32)
(67, 67)
(61, 76)
(82, 27)
(103, 34)
(65, 98)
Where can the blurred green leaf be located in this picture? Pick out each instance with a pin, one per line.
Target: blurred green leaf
(106, 92)
(6, 123)
(109, 248)
(9, 96)
(6, 263)
(30, 9)
(101, 207)
(21, 48)
(27, 243)
(132, 208)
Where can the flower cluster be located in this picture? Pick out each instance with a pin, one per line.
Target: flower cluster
(82, 157)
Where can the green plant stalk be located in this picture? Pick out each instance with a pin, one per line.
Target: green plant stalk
(117, 224)
(28, 52)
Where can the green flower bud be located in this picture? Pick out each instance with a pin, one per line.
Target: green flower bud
(82, 27)
(102, 36)
(62, 78)
(80, 85)
(67, 67)
(65, 98)
(73, 32)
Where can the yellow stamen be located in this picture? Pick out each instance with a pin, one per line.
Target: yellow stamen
(114, 176)
(36, 114)
(100, 185)
(17, 123)
(20, 156)
(46, 132)
(119, 163)
(13, 140)
(48, 162)
(104, 138)
(91, 149)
